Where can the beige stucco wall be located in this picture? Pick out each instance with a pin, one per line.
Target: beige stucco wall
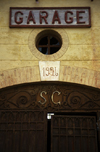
(82, 55)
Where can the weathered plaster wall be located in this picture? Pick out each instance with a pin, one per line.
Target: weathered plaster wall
(83, 48)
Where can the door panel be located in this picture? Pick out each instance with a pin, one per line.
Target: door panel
(73, 134)
(22, 131)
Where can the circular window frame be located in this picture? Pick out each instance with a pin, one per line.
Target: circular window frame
(54, 34)
(36, 34)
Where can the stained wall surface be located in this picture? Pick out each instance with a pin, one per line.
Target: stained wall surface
(79, 64)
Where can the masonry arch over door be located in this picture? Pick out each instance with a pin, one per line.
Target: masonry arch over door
(23, 118)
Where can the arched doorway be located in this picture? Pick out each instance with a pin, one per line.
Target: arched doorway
(73, 126)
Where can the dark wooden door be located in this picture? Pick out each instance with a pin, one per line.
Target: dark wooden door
(73, 134)
(22, 131)
(23, 122)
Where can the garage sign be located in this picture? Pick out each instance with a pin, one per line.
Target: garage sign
(50, 17)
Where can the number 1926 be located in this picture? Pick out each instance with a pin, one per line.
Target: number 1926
(50, 71)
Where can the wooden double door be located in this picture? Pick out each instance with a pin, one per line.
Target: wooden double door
(74, 127)
(31, 131)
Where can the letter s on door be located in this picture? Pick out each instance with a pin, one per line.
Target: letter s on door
(41, 95)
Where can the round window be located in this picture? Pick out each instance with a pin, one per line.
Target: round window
(49, 42)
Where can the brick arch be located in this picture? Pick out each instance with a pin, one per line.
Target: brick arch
(67, 74)
(80, 76)
(19, 76)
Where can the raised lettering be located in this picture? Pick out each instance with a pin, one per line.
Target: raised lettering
(53, 97)
(70, 18)
(20, 18)
(56, 18)
(31, 18)
(43, 17)
(80, 17)
(47, 69)
(41, 95)
(56, 74)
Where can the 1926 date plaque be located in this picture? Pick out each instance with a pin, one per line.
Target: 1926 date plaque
(50, 17)
(49, 70)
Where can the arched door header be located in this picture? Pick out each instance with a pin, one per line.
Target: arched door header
(50, 97)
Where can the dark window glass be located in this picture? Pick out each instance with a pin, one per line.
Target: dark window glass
(44, 41)
(43, 50)
(53, 50)
(54, 41)
(48, 44)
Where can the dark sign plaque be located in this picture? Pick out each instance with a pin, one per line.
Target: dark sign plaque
(50, 17)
